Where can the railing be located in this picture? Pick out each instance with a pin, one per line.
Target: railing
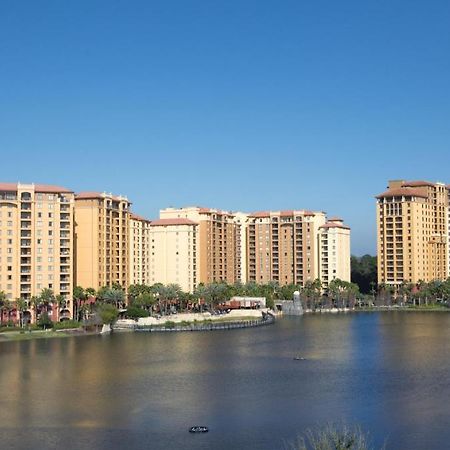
(268, 320)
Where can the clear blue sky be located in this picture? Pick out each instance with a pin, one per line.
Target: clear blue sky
(236, 104)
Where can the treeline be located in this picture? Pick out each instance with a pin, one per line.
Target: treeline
(364, 272)
(422, 293)
(145, 300)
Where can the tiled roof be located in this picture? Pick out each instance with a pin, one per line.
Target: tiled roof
(169, 222)
(260, 214)
(403, 191)
(335, 225)
(43, 188)
(418, 183)
(99, 195)
(335, 219)
(136, 217)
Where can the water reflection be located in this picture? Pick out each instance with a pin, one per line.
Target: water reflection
(387, 371)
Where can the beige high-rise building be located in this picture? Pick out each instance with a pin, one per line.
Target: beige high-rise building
(283, 246)
(174, 252)
(139, 250)
(241, 221)
(102, 224)
(218, 244)
(36, 242)
(334, 251)
(412, 232)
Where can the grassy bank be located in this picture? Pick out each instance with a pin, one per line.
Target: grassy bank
(27, 335)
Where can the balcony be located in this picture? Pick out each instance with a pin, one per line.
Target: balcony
(64, 217)
(63, 199)
(25, 242)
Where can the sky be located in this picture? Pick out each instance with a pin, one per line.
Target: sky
(239, 105)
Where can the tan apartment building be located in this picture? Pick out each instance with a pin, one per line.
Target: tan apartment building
(241, 221)
(218, 244)
(412, 232)
(102, 224)
(36, 242)
(334, 251)
(282, 246)
(139, 250)
(174, 252)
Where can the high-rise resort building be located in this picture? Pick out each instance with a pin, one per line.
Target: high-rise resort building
(412, 232)
(218, 255)
(174, 252)
(139, 250)
(334, 251)
(283, 246)
(36, 244)
(102, 224)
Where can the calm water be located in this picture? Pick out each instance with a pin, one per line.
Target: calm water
(390, 372)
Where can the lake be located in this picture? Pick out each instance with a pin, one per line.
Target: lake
(387, 371)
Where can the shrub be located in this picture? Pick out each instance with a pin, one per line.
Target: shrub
(44, 322)
(134, 312)
(169, 324)
(332, 437)
(108, 313)
(67, 324)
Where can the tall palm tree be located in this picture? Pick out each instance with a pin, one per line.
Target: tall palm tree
(60, 302)
(34, 304)
(114, 296)
(3, 299)
(21, 305)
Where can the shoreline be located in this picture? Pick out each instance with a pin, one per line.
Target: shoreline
(378, 309)
(23, 335)
(203, 325)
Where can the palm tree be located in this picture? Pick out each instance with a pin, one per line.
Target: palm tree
(5, 306)
(78, 295)
(3, 300)
(47, 298)
(34, 304)
(61, 302)
(200, 294)
(21, 305)
(114, 296)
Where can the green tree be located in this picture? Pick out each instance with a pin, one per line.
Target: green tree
(134, 312)
(108, 313)
(44, 321)
(364, 272)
